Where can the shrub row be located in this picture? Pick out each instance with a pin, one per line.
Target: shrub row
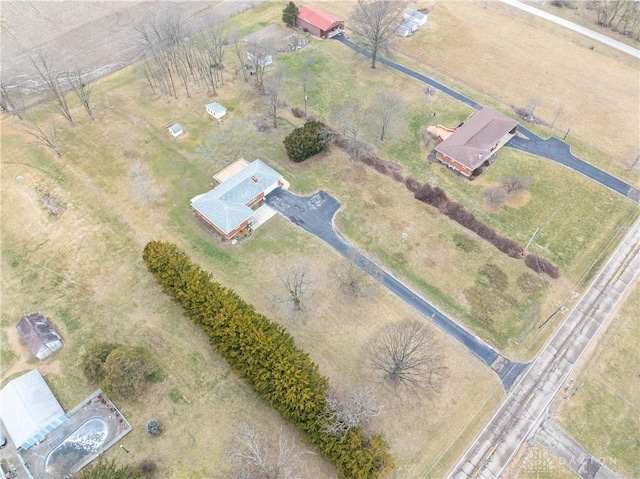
(266, 357)
(542, 265)
(437, 197)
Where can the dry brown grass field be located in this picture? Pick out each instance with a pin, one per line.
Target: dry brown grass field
(83, 267)
(600, 409)
(513, 58)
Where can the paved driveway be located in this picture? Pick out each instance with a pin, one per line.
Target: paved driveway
(315, 215)
(553, 148)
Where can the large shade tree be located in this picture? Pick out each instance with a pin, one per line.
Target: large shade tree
(376, 20)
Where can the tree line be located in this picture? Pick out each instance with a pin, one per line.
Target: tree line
(266, 357)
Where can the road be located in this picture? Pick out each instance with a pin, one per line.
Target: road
(315, 215)
(526, 405)
(552, 148)
(571, 453)
(599, 37)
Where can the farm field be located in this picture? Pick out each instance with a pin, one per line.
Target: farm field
(124, 181)
(600, 410)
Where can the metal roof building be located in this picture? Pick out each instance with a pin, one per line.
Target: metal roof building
(29, 410)
(39, 336)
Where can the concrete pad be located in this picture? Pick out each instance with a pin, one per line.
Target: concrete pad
(234, 168)
(262, 215)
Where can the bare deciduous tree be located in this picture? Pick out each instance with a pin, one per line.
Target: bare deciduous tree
(351, 277)
(376, 20)
(351, 410)
(273, 89)
(388, 111)
(348, 118)
(297, 282)
(51, 83)
(46, 138)
(240, 51)
(495, 197)
(259, 58)
(82, 89)
(143, 182)
(253, 455)
(408, 358)
(515, 183)
(531, 107)
(11, 99)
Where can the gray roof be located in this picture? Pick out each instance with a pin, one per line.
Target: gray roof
(226, 205)
(411, 14)
(29, 410)
(175, 128)
(215, 107)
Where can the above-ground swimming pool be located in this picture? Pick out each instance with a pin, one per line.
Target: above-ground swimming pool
(77, 446)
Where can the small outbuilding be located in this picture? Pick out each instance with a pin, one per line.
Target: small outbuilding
(40, 337)
(29, 410)
(257, 56)
(411, 15)
(319, 23)
(175, 130)
(474, 144)
(216, 110)
(406, 28)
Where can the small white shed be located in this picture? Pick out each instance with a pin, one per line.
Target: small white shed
(216, 110)
(175, 130)
(406, 28)
(411, 15)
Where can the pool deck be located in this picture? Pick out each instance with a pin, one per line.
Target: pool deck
(96, 405)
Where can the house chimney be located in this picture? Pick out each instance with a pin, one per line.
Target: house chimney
(254, 179)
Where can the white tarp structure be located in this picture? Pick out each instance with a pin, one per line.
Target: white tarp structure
(29, 410)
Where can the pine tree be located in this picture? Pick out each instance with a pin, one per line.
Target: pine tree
(289, 14)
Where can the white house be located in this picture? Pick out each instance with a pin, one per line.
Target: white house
(216, 110)
(258, 57)
(175, 130)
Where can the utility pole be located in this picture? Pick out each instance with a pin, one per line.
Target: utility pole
(532, 238)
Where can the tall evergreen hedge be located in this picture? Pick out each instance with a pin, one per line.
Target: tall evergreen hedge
(266, 357)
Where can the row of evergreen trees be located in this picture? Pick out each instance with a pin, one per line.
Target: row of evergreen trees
(266, 357)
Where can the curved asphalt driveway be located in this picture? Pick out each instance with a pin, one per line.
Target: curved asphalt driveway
(552, 148)
(315, 215)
